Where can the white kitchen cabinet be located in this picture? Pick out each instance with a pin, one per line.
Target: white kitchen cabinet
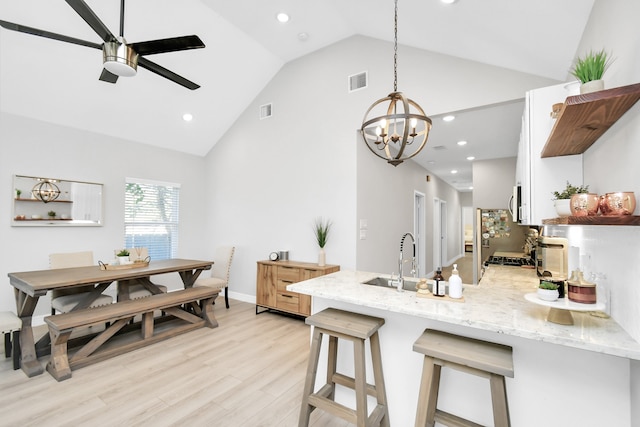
(538, 177)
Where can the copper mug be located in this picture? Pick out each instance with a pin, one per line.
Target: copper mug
(619, 203)
(584, 204)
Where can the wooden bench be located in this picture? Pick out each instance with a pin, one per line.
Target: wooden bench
(198, 313)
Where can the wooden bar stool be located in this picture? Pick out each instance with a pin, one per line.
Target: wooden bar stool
(481, 358)
(10, 325)
(356, 328)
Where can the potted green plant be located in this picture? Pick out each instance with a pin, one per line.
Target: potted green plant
(321, 230)
(548, 291)
(123, 257)
(562, 199)
(589, 70)
(51, 214)
(18, 193)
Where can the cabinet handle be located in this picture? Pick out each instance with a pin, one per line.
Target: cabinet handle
(286, 296)
(286, 281)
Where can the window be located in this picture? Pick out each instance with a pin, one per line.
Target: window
(151, 217)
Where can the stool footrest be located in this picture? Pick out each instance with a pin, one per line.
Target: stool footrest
(452, 420)
(346, 381)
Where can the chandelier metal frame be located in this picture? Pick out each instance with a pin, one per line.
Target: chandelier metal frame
(392, 135)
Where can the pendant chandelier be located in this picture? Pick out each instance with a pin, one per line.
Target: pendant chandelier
(45, 190)
(395, 128)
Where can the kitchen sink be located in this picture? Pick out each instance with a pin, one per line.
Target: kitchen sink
(409, 284)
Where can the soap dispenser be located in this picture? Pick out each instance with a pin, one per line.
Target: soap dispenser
(455, 284)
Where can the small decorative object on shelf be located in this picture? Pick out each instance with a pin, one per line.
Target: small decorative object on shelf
(321, 230)
(589, 69)
(562, 200)
(18, 193)
(548, 291)
(51, 214)
(619, 203)
(584, 204)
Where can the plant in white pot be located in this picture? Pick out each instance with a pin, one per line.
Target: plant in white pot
(589, 69)
(123, 257)
(548, 291)
(562, 199)
(321, 230)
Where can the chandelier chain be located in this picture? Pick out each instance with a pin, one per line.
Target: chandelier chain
(395, 49)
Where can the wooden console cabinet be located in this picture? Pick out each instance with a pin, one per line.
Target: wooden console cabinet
(273, 279)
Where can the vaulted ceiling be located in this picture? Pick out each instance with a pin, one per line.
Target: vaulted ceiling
(58, 82)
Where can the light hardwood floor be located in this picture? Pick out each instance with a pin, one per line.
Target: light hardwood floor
(247, 372)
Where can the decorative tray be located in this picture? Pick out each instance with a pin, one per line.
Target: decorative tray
(429, 295)
(137, 264)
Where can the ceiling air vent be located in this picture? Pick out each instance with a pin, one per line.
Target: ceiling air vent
(358, 81)
(438, 147)
(266, 111)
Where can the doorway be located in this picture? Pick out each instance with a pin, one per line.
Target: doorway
(439, 233)
(418, 232)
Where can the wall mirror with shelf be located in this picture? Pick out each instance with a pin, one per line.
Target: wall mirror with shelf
(45, 201)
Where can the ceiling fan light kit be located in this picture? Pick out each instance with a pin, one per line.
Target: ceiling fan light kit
(120, 59)
(395, 128)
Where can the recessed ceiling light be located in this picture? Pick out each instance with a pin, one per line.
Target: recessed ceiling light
(454, 171)
(461, 143)
(282, 17)
(448, 1)
(187, 117)
(471, 158)
(448, 118)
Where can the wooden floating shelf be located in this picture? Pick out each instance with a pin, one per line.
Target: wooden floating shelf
(594, 220)
(40, 201)
(585, 118)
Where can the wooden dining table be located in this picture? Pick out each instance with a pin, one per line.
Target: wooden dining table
(29, 286)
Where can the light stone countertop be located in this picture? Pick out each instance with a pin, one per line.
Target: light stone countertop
(497, 305)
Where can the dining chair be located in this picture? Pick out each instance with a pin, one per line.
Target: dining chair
(137, 290)
(220, 271)
(64, 300)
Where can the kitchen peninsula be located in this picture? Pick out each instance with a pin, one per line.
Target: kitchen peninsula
(564, 374)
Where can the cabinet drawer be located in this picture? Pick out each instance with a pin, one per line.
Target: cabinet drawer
(288, 302)
(290, 274)
(281, 285)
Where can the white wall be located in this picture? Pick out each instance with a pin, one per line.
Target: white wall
(29, 147)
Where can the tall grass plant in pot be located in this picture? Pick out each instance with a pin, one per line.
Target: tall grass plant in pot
(321, 230)
(590, 68)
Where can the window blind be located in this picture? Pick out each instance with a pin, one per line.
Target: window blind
(151, 217)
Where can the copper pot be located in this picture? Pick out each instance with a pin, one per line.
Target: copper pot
(616, 204)
(584, 204)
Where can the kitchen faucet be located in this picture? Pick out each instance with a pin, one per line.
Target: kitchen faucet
(400, 282)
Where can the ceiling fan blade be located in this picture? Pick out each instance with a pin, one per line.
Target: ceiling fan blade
(161, 71)
(107, 76)
(92, 19)
(47, 34)
(174, 44)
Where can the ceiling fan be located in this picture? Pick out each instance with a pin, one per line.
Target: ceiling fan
(119, 57)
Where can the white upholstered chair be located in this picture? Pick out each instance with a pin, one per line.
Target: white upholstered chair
(137, 290)
(64, 300)
(219, 271)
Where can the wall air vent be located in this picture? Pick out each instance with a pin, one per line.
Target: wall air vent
(266, 111)
(358, 81)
